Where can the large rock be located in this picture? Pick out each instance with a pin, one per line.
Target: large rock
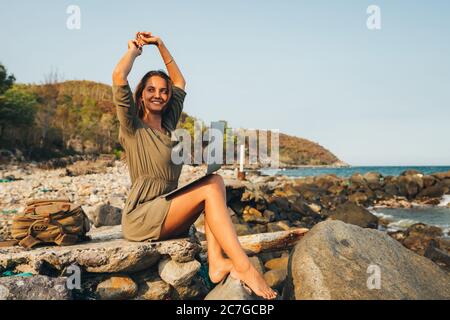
(106, 215)
(231, 289)
(107, 252)
(354, 214)
(178, 274)
(152, 287)
(342, 261)
(435, 191)
(34, 288)
(373, 180)
(419, 235)
(275, 278)
(117, 288)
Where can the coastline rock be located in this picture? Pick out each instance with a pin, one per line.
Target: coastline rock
(435, 191)
(106, 215)
(117, 288)
(153, 290)
(106, 252)
(230, 289)
(277, 263)
(177, 274)
(253, 215)
(195, 289)
(419, 235)
(342, 261)
(354, 214)
(275, 278)
(373, 180)
(34, 288)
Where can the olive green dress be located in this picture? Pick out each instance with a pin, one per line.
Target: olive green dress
(152, 172)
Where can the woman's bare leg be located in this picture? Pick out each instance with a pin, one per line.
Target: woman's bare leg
(219, 266)
(211, 193)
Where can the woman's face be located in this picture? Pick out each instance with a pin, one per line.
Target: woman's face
(155, 94)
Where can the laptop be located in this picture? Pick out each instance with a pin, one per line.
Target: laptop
(211, 168)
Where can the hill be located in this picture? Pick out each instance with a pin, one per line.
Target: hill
(79, 116)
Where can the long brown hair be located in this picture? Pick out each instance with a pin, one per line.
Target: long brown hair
(141, 86)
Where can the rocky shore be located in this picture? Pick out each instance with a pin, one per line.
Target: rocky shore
(113, 268)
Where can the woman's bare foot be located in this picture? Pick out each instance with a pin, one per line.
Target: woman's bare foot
(254, 280)
(219, 268)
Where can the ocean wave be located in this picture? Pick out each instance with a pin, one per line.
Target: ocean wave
(380, 214)
(445, 200)
(402, 224)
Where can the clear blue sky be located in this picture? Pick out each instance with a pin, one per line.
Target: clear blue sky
(309, 68)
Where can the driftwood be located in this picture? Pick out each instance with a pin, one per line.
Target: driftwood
(270, 241)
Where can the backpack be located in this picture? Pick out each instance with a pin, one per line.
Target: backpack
(50, 221)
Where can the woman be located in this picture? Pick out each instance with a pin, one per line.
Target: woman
(146, 121)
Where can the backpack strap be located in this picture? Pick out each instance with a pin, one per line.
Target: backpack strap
(66, 239)
(8, 243)
(29, 241)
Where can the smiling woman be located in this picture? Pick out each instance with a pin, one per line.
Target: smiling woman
(156, 107)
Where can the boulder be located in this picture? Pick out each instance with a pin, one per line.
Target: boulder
(253, 215)
(373, 180)
(442, 175)
(419, 235)
(231, 289)
(358, 197)
(117, 288)
(152, 287)
(354, 214)
(177, 274)
(106, 215)
(282, 225)
(106, 252)
(336, 260)
(195, 289)
(34, 288)
(435, 191)
(277, 263)
(275, 278)
(242, 229)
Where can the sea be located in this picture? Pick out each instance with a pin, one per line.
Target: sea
(400, 219)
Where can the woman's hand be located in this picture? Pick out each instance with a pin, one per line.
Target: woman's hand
(134, 47)
(144, 38)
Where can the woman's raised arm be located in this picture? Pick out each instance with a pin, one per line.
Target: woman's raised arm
(172, 68)
(125, 64)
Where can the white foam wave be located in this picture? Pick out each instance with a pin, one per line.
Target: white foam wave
(382, 215)
(445, 200)
(402, 224)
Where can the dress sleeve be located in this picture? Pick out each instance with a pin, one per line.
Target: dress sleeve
(173, 112)
(126, 108)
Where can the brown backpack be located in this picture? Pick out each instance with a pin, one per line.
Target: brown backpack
(50, 221)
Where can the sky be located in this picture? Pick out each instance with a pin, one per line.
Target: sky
(312, 69)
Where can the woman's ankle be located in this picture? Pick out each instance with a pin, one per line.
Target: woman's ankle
(242, 266)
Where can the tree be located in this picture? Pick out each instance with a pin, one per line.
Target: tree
(17, 108)
(6, 81)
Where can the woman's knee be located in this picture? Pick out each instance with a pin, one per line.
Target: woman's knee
(214, 185)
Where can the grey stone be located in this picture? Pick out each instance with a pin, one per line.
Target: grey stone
(176, 273)
(106, 252)
(106, 215)
(34, 288)
(354, 214)
(230, 289)
(117, 288)
(336, 260)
